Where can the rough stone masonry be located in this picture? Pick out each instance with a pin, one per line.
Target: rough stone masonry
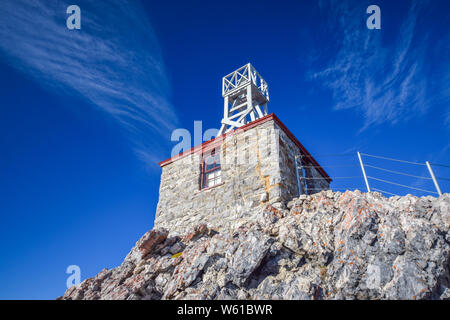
(258, 168)
(328, 245)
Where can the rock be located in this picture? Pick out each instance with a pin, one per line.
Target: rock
(248, 256)
(199, 230)
(330, 245)
(150, 240)
(176, 248)
(291, 203)
(146, 245)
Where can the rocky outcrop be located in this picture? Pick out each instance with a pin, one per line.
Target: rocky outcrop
(329, 245)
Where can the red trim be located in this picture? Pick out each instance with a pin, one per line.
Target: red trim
(218, 140)
(207, 145)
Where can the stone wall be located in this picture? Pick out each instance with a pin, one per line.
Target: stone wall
(258, 167)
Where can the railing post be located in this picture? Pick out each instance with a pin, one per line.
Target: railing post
(298, 177)
(434, 178)
(363, 171)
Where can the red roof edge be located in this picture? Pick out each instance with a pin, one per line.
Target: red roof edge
(217, 140)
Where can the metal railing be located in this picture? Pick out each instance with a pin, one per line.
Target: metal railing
(426, 164)
(372, 175)
(347, 178)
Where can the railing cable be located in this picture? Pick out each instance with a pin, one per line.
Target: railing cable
(332, 178)
(401, 185)
(338, 166)
(441, 165)
(328, 155)
(392, 159)
(397, 172)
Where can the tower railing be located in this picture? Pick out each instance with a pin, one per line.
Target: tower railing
(246, 95)
(241, 77)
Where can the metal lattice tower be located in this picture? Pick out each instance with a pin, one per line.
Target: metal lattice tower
(246, 95)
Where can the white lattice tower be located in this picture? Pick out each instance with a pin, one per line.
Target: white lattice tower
(246, 95)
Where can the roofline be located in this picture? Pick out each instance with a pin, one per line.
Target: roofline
(217, 140)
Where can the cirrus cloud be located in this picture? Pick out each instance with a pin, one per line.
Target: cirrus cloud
(114, 62)
(387, 75)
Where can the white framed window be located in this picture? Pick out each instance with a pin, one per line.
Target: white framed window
(211, 170)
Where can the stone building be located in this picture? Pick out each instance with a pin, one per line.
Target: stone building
(249, 164)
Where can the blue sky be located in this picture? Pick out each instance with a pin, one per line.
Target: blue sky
(86, 114)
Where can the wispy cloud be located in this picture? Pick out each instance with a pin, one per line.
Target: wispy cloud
(386, 75)
(114, 61)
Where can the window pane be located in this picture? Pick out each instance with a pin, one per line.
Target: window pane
(209, 162)
(211, 169)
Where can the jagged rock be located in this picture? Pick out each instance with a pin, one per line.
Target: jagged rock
(328, 245)
(148, 242)
(199, 230)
